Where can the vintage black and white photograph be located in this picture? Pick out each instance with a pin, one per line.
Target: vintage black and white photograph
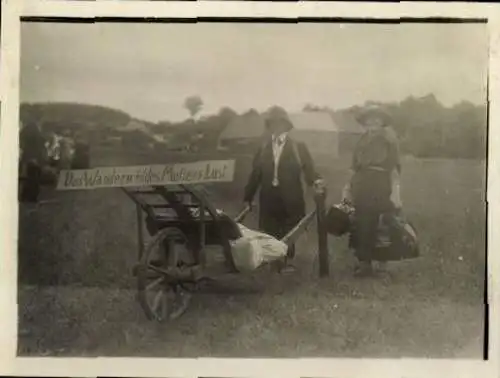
(253, 189)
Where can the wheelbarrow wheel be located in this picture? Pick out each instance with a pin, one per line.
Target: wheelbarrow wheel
(160, 297)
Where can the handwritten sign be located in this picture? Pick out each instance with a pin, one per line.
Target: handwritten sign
(147, 175)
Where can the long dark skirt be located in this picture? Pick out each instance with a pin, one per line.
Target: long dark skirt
(31, 185)
(276, 219)
(371, 192)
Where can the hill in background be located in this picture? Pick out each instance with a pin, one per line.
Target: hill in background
(56, 116)
(425, 127)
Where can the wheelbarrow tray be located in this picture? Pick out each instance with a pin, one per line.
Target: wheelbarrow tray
(216, 230)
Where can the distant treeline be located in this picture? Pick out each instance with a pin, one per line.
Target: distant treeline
(55, 116)
(425, 127)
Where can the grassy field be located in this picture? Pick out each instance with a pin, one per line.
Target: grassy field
(77, 296)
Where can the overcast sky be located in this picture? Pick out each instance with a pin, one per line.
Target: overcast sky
(147, 70)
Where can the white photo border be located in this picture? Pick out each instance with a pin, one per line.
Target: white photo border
(22, 366)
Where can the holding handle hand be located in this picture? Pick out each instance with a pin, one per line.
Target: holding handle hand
(246, 209)
(347, 194)
(319, 186)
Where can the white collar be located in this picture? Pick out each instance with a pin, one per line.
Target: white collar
(281, 138)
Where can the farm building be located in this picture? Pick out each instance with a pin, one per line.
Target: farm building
(349, 130)
(137, 127)
(324, 133)
(327, 133)
(136, 134)
(317, 131)
(133, 125)
(243, 132)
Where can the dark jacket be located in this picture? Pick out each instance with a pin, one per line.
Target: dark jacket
(376, 156)
(377, 148)
(32, 143)
(290, 174)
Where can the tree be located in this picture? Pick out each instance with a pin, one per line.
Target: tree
(426, 128)
(225, 115)
(309, 108)
(193, 104)
(166, 124)
(226, 111)
(136, 139)
(315, 108)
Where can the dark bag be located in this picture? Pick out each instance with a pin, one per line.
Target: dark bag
(81, 157)
(338, 219)
(397, 239)
(401, 241)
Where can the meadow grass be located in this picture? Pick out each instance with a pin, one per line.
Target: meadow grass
(77, 292)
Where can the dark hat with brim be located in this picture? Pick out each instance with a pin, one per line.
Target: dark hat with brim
(277, 114)
(373, 112)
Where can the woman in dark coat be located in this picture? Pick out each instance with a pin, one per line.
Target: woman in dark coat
(32, 143)
(278, 168)
(375, 157)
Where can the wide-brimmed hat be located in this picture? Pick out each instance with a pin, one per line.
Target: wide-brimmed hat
(277, 113)
(373, 111)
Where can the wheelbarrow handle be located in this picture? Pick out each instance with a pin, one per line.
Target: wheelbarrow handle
(239, 218)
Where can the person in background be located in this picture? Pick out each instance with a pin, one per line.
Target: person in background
(81, 153)
(67, 150)
(279, 166)
(375, 160)
(53, 147)
(32, 144)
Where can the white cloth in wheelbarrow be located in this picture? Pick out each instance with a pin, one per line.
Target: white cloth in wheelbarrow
(254, 249)
(250, 249)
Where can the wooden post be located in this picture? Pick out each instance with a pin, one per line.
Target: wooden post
(203, 235)
(140, 231)
(324, 264)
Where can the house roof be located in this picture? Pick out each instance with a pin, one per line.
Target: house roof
(252, 124)
(341, 121)
(346, 122)
(248, 125)
(134, 125)
(317, 121)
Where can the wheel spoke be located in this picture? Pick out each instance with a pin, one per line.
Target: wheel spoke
(157, 301)
(182, 301)
(157, 269)
(155, 283)
(164, 306)
(150, 272)
(160, 268)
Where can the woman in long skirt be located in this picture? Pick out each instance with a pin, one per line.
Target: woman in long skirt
(33, 157)
(375, 158)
